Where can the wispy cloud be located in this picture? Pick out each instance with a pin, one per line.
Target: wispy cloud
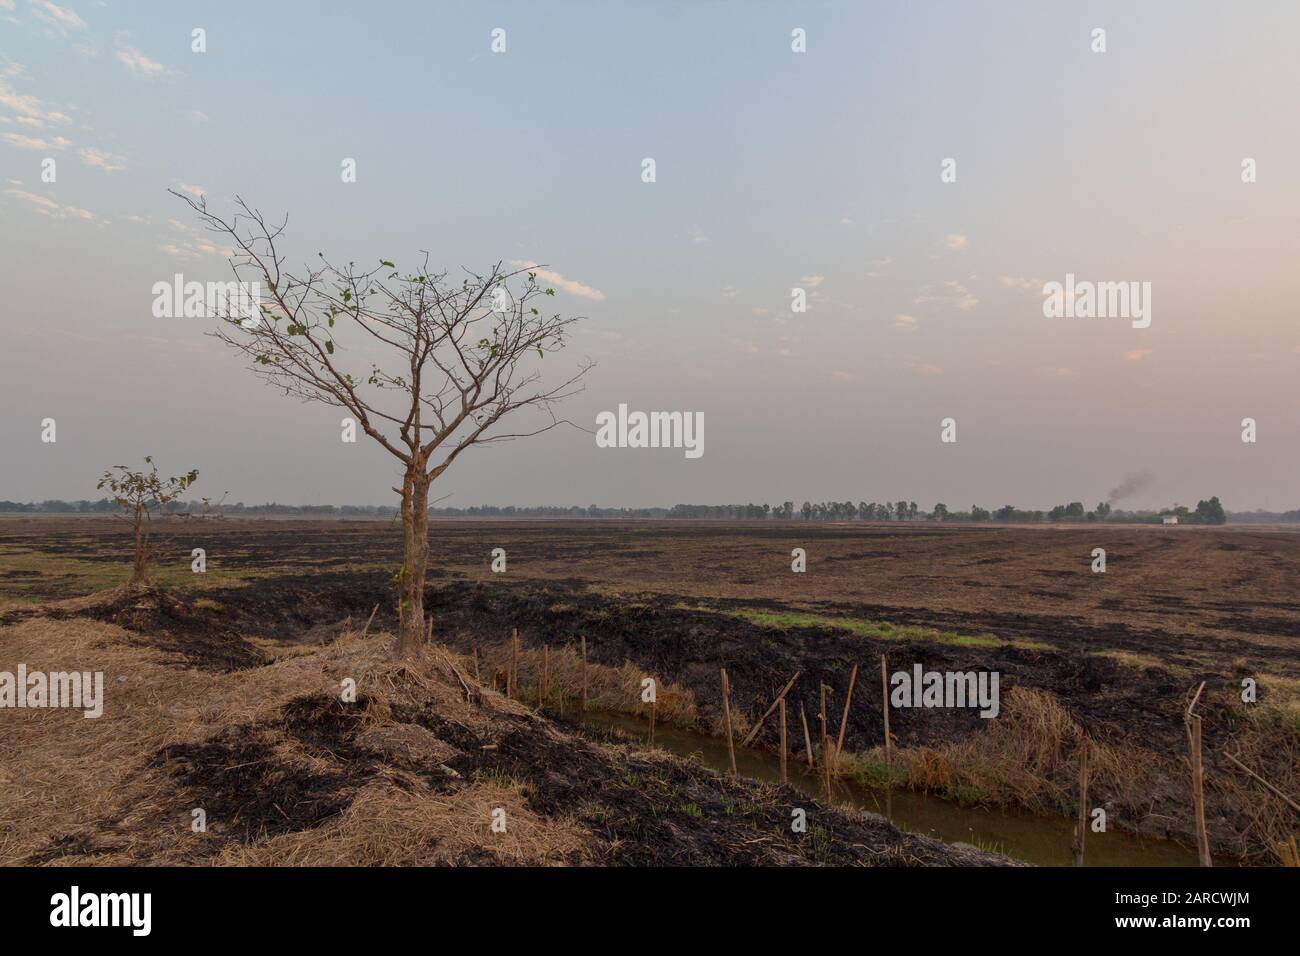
(953, 294)
(1020, 282)
(560, 282)
(905, 322)
(1137, 355)
(35, 142)
(138, 63)
(957, 241)
(49, 207)
(196, 191)
(100, 159)
(194, 248)
(56, 16)
(26, 104)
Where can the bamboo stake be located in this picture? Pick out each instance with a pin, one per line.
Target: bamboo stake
(768, 713)
(726, 710)
(807, 739)
(884, 703)
(477, 679)
(844, 719)
(512, 675)
(652, 724)
(1081, 828)
(584, 672)
(1192, 723)
(546, 677)
(825, 745)
(365, 629)
(1291, 803)
(781, 702)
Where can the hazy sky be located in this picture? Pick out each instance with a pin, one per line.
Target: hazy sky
(775, 170)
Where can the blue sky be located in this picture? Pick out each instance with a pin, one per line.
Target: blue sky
(774, 170)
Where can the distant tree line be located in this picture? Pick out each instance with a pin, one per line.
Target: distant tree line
(106, 506)
(1209, 511)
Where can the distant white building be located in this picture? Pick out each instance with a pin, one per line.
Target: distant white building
(1171, 519)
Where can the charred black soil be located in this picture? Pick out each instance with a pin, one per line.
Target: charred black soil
(1122, 670)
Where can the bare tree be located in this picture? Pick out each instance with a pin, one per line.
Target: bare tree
(461, 355)
(139, 494)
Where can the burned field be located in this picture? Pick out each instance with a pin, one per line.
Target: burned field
(1111, 657)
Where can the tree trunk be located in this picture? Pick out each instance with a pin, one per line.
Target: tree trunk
(415, 531)
(140, 571)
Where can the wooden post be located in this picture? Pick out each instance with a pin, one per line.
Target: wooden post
(1081, 827)
(584, 673)
(825, 745)
(807, 739)
(477, 678)
(652, 723)
(768, 713)
(512, 675)
(546, 678)
(781, 701)
(1192, 723)
(365, 629)
(726, 710)
(884, 703)
(844, 719)
(1272, 789)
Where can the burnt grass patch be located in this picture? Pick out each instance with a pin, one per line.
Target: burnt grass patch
(172, 623)
(302, 769)
(648, 811)
(688, 647)
(210, 629)
(252, 783)
(250, 791)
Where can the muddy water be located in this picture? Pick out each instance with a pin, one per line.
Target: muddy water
(1037, 839)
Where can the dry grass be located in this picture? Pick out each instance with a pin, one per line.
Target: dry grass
(61, 772)
(615, 689)
(1028, 758)
(389, 826)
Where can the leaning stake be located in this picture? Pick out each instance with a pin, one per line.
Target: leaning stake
(807, 738)
(368, 620)
(768, 713)
(844, 719)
